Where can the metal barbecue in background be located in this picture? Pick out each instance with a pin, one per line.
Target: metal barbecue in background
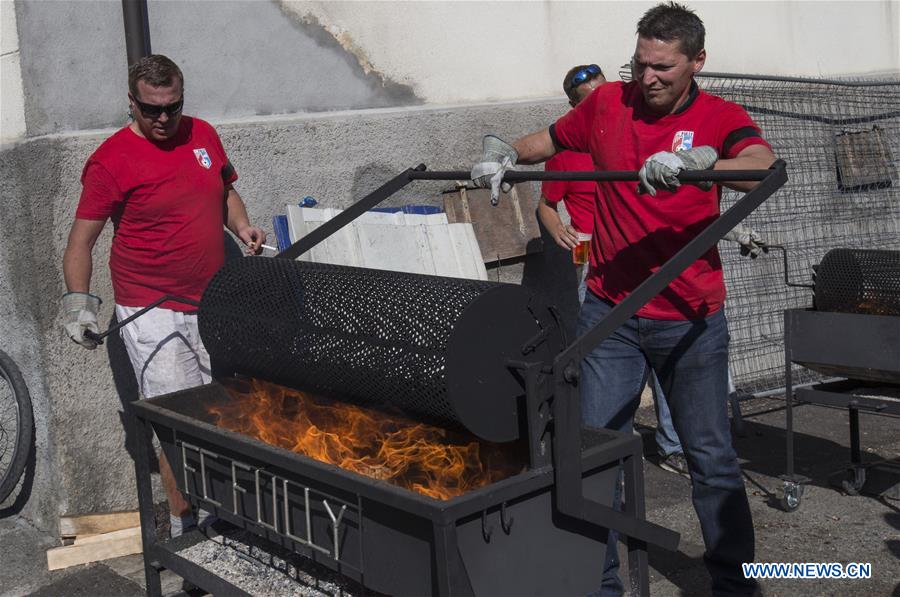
(852, 333)
(485, 362)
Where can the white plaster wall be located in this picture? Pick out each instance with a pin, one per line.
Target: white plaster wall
(12, 101)
(455, 51)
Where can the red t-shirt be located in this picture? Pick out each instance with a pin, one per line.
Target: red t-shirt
(166, 201)
(578, 195)
(635, 234)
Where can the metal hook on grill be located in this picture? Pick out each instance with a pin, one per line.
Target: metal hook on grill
(505, 524)
(787, 280)
(486, 531)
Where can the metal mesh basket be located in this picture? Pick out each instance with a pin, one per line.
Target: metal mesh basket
(859, 281)
(432, 346)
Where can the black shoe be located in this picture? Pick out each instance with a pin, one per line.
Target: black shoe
(675, 463)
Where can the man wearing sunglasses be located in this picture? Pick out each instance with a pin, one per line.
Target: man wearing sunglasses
(577, 196)
(166, 183)
(660, 124)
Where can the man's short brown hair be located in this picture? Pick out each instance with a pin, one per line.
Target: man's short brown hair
(155, 70)
(671, 21)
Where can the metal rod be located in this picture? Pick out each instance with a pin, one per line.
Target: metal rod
(786, 277)
(98, 338)
(596, 175)
(855, 453)
(137, 29)
(143, 438)
(788, 396)
(843, 83)
(419, 173)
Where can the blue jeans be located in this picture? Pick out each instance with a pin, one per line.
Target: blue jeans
(666, 439)
(690, 358)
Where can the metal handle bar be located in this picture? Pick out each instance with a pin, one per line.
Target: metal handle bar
(596, 175)
(420, 173)
(98, 338)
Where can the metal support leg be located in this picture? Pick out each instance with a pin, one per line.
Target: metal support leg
(736, 416)
(857, 479)
(638, 573)
(792, 488)
(452, 577)
(144, 438)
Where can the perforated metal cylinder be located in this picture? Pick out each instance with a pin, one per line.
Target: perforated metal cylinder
(434, 347)
(859, 281)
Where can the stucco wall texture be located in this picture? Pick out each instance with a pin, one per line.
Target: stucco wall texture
(335, 157)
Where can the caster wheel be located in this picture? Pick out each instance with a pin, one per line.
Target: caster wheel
(790, 500)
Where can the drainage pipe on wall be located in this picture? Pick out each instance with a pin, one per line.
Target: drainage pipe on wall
(137, 29)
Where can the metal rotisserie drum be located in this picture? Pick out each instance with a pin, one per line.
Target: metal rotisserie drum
(434, 347)
(859, 281)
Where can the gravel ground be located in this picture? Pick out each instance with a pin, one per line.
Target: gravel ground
(264, 569)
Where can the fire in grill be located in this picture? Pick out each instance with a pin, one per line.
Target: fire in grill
(472, 366)
(435, 461)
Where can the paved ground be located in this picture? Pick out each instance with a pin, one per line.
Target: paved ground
(827, 527)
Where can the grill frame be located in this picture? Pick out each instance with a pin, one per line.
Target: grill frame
(450, 521)
(551, 412)
(852, 346)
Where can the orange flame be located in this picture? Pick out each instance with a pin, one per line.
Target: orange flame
(431, 460)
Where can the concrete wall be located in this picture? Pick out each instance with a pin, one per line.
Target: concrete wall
(334, 157)
(238, 58)
(12, 99)
(258, 57)
(475, 51)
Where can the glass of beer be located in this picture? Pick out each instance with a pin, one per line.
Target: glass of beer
(582, 251)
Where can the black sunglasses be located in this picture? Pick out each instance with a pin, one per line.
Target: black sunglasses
(154, 111)
(585, 74)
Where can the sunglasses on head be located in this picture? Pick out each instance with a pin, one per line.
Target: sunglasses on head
(584, 75)
(154, 111)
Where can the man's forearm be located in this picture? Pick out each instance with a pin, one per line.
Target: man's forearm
(235, 212)
(755, 157)
(77, 268)
(548, 216)
(77, 261)
(535, 148)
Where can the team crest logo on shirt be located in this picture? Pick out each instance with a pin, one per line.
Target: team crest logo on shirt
(683, 140)
(203, 158)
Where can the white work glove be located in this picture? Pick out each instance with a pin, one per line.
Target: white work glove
(751, 242)
(80, 310)
(660, 171)
(498, 157)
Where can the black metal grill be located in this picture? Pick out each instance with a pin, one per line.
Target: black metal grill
(434, 347)
(859, 281)
(488, 357)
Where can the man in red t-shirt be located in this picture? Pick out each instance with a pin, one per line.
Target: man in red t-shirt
(166, 183)
(577, 196)
(661, 123)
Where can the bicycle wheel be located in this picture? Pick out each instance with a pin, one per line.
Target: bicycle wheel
(16, 425)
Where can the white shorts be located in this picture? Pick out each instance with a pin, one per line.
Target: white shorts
(165, 350)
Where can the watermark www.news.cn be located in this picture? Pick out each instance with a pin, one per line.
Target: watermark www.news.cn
(807, 570)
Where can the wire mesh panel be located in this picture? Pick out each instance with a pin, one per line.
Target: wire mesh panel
(376, 337)
(841, 142)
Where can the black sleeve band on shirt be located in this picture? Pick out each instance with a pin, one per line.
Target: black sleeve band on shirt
(556, 143)
(736, 135)
(227, 171)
